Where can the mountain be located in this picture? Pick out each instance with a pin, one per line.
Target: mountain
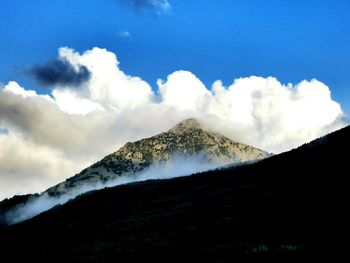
(186, 139)
(187, 148)
(290, 207)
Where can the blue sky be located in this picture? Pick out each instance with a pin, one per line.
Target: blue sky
(290, 40)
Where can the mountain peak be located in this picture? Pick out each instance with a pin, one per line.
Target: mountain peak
(187, 139)
(190, 123)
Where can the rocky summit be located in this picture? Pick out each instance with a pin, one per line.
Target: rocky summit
(186, 139)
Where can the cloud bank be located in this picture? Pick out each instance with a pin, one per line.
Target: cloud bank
(47, 138)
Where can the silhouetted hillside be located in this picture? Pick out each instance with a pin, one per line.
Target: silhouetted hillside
(289, 207)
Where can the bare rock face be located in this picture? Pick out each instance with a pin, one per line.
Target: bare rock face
(186, 139)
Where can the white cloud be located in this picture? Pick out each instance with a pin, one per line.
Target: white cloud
(108, 85)
(276, 117)
(163, 5)
(14, 88)
(158, 7)
(125, 34)
(71, 102)
(184, 91)
(49, 138)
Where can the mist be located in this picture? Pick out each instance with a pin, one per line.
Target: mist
(176, 167)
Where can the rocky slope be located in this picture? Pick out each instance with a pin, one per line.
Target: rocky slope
(186, 139)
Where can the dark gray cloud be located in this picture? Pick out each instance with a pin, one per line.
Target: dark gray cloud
(158, 6)
(60, 72)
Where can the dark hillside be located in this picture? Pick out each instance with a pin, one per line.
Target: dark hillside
(289, 207)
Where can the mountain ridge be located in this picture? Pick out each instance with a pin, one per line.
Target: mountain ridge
(186, 139)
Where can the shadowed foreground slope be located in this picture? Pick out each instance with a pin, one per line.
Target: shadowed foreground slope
(289, 206)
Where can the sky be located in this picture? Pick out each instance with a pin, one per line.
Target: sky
(289, 40)
(79, 78)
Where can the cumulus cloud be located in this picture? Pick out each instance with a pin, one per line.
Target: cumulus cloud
(108, 85)
(182, 83)
(60, 72)
(47, 138)
(276, 117)
(157, 6)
